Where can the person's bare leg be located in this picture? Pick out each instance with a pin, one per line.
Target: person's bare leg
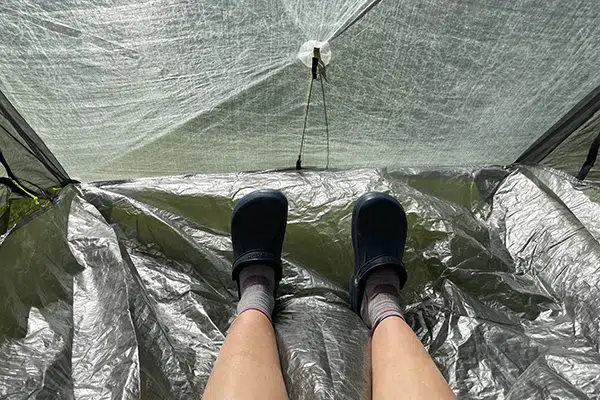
(248, 364)
(402, 369)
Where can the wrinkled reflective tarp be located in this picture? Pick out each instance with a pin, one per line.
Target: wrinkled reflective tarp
(123, 290)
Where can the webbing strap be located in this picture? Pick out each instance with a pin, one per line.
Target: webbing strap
(590, 159)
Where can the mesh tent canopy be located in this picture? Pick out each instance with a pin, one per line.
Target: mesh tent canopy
(131, 89)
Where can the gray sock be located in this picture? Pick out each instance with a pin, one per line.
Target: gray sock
(381, 297)
(257, 284)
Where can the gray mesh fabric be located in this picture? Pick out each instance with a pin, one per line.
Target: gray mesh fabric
(127, 89)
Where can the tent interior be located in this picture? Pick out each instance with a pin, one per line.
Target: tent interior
(129, 129)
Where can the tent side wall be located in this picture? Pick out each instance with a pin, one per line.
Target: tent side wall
(26, 161)
(571, 144)
(578, 152)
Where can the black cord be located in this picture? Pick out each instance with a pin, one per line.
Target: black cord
(326, 123)
(299, 161)
(317, 72)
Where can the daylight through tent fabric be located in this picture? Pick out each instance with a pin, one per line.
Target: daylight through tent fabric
(122, 90)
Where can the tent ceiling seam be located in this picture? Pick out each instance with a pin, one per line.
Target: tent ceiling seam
(354, 20)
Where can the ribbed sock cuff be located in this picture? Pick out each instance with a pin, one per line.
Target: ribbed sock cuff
(257, 285)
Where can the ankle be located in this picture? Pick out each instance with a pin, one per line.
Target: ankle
(381, 299)
(257, 289)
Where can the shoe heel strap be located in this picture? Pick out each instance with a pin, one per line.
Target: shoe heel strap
(378, 262)
(257, 257)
